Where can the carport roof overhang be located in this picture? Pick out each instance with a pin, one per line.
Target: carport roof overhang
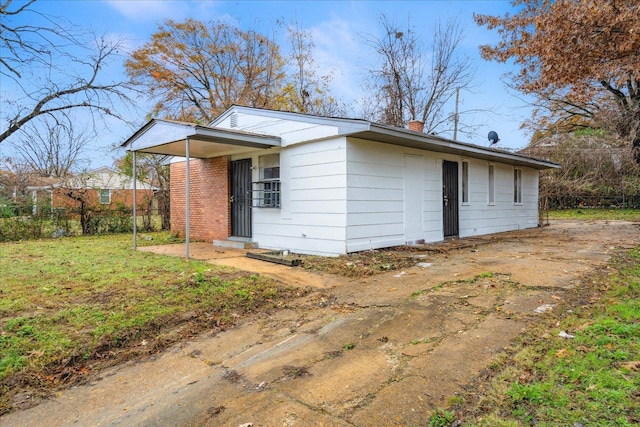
(170, 138)
(190, 141)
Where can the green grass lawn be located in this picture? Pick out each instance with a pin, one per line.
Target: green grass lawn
(596, 214)
(75, 304)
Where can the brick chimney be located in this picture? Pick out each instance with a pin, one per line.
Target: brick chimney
(416, 126)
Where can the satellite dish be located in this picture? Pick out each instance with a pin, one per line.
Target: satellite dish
(493, 137)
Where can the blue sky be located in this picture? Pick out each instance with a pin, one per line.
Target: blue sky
(338, 28)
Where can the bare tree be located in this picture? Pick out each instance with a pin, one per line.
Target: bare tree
(52, 149)
(305, 91)
(53, 70)
(152, 169)
(80, 191)
(22, 44)
(597, 169)
(413, 83)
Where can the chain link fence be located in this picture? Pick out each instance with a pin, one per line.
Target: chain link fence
(595, 202)
(26, 223)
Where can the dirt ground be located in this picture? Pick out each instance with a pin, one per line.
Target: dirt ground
(380, 351)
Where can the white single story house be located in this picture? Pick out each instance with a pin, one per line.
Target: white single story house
(330, 186)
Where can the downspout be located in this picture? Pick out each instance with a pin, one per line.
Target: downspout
(187, 201)
(135, 202)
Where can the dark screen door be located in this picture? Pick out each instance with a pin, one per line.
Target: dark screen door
(241, 198)
(450, 198)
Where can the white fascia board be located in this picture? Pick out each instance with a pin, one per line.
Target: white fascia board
(157, 132)
(432, 143)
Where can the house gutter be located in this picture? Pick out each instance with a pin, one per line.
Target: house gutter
(412, 139)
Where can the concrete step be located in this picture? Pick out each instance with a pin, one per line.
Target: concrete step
(235, 244)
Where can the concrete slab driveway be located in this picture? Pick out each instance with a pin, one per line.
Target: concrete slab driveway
(380, 351)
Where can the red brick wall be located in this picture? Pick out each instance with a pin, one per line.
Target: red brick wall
(210, 210)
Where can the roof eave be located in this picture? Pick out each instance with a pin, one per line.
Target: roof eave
(344, 125)
(421, 141)
(234, 137)
(169, 138)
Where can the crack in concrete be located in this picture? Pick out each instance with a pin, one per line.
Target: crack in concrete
(461, 325)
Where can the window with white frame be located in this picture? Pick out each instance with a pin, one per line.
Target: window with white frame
(105, 196)
(465, 182)
(492, 185)
(266, 191)
(517, 186)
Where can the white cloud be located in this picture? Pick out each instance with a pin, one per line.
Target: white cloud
(150, 10)
(338, 52)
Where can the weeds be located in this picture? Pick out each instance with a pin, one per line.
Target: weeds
(55, 225)
(442, 418)
(361, 264)
(593, 379)
(416, 294)
(294, 372)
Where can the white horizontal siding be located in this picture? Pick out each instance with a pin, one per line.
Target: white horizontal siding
(479, 217)
(290, 131)
(325, 169)
(371, 218)
(376, 185)
(307, 207)
(367, 206)
(371, 181)
(340, 195)
(312, 219)
(376, 196)
(329, 194)
(266, 217)
(362, 168)
(309, 183)
(394, 230)
(306, 231)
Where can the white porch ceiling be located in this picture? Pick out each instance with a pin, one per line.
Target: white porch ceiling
(169, 138)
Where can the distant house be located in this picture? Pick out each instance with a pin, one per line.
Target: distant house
(329, 186)
(99, 187)
(19, 192)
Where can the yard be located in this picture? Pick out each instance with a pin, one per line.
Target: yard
(75, 305)
(72, 307)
